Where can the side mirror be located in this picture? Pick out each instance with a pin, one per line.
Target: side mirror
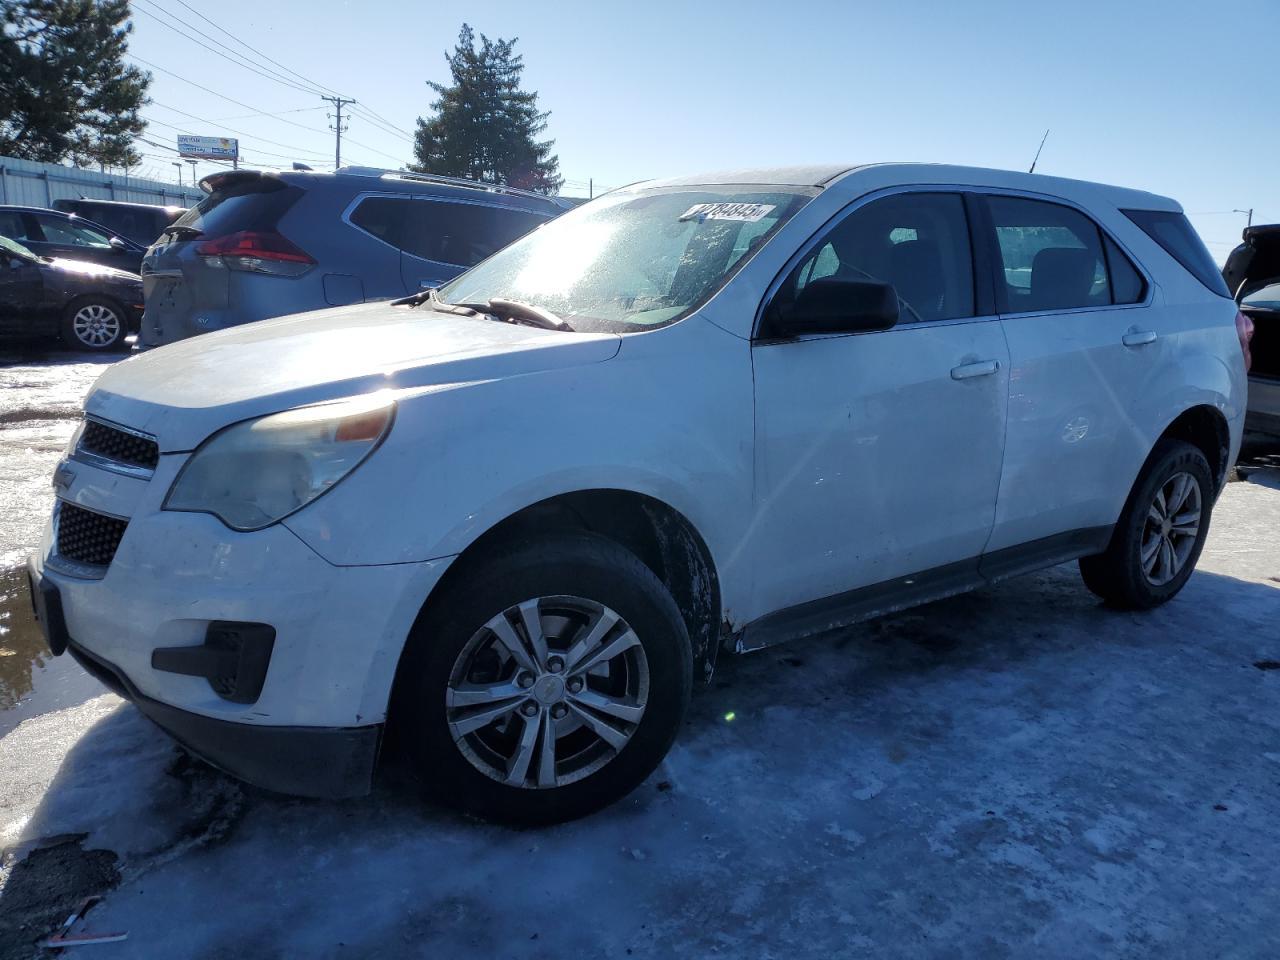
(118, 243)
(837, 306)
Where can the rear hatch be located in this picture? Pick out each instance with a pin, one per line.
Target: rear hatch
(184, 274)
(1252, 273)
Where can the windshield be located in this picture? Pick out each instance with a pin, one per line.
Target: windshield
(1268, 297)
(633, 261)
(12, 246)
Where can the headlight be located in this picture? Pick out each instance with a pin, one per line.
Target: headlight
(255, 473)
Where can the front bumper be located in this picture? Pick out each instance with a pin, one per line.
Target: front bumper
(313, 724)
(328, 763)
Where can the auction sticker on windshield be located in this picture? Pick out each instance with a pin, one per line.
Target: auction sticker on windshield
(749, 212)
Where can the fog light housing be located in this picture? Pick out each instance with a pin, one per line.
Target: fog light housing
(233, 658)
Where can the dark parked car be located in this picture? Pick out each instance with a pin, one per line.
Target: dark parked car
(91, 307)
(50, 233)
(1253, 276)
(268, 244)
(139, 222)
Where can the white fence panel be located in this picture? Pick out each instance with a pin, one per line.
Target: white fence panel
(28, 183)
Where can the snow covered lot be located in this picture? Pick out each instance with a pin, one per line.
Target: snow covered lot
(1014, 773)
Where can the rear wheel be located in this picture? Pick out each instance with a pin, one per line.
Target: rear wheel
(546, 683)
(95, 324)
(1161, 532)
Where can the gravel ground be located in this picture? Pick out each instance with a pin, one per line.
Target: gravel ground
(1017, 772)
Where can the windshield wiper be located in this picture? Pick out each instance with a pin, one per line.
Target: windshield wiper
(517, 311)
(511, 311)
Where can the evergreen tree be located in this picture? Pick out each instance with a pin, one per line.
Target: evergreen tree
(65, 90)
(484, 126)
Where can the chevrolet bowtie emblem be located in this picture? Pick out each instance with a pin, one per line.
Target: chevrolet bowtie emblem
(63, 477)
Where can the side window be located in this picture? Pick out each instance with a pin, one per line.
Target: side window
(1051, 256)
(919, 242)
(57, 230)
(383, 217)
(463, 233)
(12, 225)
(1127, 285)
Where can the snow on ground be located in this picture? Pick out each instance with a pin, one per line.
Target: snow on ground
(1017, 772)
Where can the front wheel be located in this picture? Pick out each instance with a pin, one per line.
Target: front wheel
(547, 682)
(1160, 534)
(95, 324)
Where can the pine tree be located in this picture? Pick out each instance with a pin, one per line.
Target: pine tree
(65, 90)
(484, 127)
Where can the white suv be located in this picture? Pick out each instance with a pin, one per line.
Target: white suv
(512, 520)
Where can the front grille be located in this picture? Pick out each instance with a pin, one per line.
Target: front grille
(112, 443)
(88, 537)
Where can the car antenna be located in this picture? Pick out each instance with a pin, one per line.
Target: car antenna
(1038, 149)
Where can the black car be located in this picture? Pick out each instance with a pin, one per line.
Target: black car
(90, 306)
(139, 222)
(1252, 273)
(50, 233)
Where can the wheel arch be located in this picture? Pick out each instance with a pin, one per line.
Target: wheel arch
(664, 539)
(1204, 426)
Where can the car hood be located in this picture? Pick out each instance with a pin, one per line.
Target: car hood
(83, 268)
(183, 392)
(1255, 262)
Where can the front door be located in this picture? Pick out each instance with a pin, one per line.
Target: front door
(878, 455)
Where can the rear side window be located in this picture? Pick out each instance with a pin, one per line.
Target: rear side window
(13, 225)
(383, 217)
(1051, 257)
(141, 226)
(463, 233)
(1173, 231)
(250, 203)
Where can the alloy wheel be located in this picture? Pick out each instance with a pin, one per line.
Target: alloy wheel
(1171, 527)
(96, 325)
(547, 692)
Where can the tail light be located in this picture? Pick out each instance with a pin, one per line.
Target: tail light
(257, 251)
(1244, 330)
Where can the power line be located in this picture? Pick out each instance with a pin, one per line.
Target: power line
(242, 60)
(252, 149)
(252, 136)
(255, 50)
(338, 103)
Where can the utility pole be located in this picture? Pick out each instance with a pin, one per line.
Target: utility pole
(193, 171)
(337, 128)
(591, 188)
(1249, 212)
(178, 164)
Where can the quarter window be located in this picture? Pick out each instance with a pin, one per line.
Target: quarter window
(919, 242)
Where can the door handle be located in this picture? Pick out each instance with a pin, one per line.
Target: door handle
(1138, 338)
(967, 371)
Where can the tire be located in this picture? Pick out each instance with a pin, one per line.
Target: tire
(577, 581)
(1128, 575)
(94, 324)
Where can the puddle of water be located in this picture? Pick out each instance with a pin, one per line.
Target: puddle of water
(32, 680)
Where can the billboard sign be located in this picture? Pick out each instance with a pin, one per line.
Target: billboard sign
(208, 148)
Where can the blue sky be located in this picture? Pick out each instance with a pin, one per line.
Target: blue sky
(1164, 96)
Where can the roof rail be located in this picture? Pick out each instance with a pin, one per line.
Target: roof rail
(460, 182)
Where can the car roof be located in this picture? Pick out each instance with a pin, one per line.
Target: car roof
(134, 204)
(376, 179)
(856, 180)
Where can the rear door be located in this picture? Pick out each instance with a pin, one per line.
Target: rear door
(1082, 341)
(21, 295)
